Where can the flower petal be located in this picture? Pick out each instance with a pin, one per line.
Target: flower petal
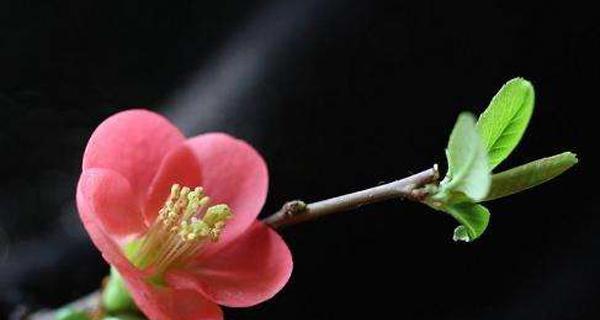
(163, 303)
(107, 195)
(232, 173)
(133, 143)
(179, 166)
(92, 222)
(252, 269)
(156, 302)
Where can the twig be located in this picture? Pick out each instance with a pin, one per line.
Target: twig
(297, 211)
(89, 303)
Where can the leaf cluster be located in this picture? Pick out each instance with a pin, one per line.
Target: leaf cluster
(477, 147)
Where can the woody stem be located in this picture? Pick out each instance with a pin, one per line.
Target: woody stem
(297, 211)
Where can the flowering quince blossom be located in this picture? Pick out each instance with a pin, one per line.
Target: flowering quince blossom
(177, 217)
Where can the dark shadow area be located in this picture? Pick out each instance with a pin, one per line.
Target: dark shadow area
(337, 96)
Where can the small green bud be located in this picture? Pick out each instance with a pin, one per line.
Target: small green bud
(68, 313)
(461, 234)
(115, 296)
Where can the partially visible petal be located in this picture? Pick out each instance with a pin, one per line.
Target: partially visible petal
(132, 143)
(163, 303)
(107, 195)
(107, 245)
(179, 166)
(252, 269)
(232, 173)
(158, 303)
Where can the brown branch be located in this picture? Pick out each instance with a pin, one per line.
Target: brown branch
(89, 303)
(297, 211)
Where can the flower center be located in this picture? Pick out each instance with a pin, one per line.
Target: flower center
(183, 226)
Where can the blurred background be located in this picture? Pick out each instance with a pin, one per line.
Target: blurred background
(337, 95)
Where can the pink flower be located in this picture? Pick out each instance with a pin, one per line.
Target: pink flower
(129, 166)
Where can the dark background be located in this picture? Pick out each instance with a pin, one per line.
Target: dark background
(337, 95)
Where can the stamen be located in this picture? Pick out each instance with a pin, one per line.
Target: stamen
(183, 225)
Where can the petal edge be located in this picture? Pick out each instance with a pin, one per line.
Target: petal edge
(132, 143)
(251, 270)
(233, 172)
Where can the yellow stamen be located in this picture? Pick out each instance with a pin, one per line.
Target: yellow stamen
(182, 227)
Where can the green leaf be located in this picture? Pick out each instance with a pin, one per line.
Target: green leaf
(468, 170)
(115, 296)
(474, 219)
(530, 175)
(503, 123)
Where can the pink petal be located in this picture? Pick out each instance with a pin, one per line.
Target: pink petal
(179, 166)
(92, 222)
(163, 303)
(107, 195)
(232, 173)
(133, 143)
(252, 269)
(157, 303)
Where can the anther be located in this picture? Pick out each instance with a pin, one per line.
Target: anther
(183, 225)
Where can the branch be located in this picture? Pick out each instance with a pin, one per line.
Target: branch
(298, 211)
(89, 303)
